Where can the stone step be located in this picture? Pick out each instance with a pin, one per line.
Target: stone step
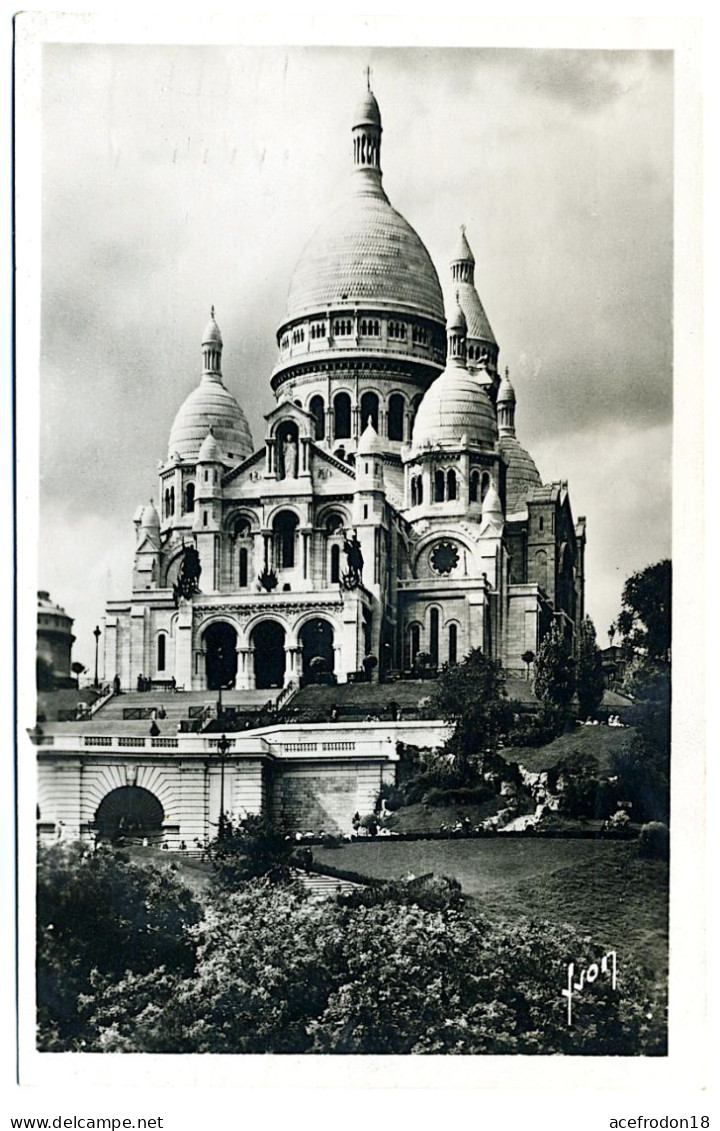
(325, 886)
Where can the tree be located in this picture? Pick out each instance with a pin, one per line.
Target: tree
(249, 848)
(645, 619)
(77, 669)
(472, 696)
(528, 658)
(99, 916)
(555, 672)
(589, 681)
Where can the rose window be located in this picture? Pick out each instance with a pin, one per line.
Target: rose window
(444, 557)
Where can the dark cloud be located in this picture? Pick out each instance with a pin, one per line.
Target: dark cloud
(585, 80)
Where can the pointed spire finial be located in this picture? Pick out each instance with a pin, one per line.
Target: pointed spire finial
(462, 229)
(367, 70)
(507, 372)
(212, 311)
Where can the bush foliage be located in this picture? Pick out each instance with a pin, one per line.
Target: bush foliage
(392, 969)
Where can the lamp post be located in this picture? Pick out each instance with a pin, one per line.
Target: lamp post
(97, 634)
(223, 747)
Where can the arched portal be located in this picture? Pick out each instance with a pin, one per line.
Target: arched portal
(220, 641)
(268, 640)
(129, 811)
(316, 637)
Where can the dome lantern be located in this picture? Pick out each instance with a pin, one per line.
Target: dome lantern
(462, 264)
(457, 334)
(366, 132)
(506, 406)
(212, 345)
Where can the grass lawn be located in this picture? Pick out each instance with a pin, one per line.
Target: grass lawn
(600, 741)
(601, 888)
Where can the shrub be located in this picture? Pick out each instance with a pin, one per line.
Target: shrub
(538, 730)
(462, 795)
(654, 841)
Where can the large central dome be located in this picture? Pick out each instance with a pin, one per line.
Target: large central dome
(365, 253)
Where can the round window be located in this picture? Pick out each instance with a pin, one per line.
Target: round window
(444, 557)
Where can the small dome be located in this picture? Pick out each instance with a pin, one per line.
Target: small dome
(212, 333)
(150, 517)
(210, 451)
(491, 505)
(211, 405)
(367, 111)
(369, 443)
(455, 408)
(521, 476)
(47, 605)
(457, 320)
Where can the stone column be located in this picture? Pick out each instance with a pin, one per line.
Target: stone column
(244, 682)
(293, 654)
(267, 556)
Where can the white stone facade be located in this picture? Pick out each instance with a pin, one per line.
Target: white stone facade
(393, 433)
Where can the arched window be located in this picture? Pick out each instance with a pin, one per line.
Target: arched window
(396, 417)
(439, 486)
(452, 644)
(161, 650)
(434, 636)
(284, 528)
(341, 404)
(334, 564)
(243, 567)
(333, 523)
(451, 484)
(474, 486)
(419, 490)
(317, 409)
(190, 498)
(167, 503)
(369, 409)
(413, 491)
(541, 569)
(485, 485)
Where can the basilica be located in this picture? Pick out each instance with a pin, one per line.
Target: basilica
(389, 513)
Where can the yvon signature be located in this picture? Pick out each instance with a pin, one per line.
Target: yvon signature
(607, 966)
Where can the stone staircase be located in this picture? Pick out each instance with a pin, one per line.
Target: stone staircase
(325, 887)
(109, 719)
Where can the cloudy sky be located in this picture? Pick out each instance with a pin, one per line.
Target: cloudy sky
(174, 178)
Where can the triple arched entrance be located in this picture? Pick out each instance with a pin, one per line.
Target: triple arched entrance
(273, 657)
